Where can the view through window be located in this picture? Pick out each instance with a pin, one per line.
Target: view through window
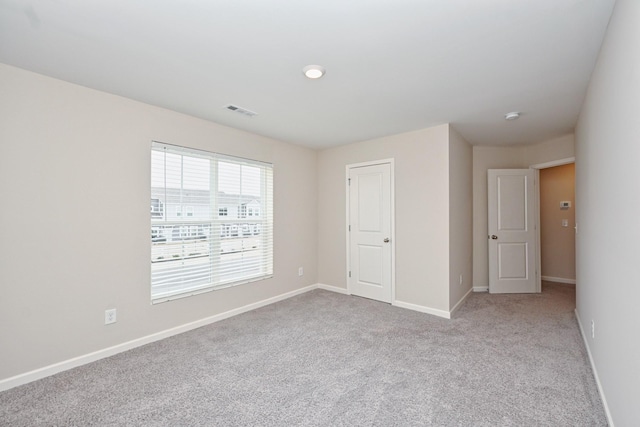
(211, 221)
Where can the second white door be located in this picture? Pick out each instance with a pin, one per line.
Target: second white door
(512, 239)
(369, 225)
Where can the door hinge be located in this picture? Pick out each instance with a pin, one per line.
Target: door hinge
(349, 181)
(349, 274)
(349, 227)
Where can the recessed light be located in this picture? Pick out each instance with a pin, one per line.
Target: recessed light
(514, 115)
(314, 71)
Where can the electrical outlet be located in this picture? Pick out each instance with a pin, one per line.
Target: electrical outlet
(593, 329)
(110, 316)
(300, 271)
(461, 279)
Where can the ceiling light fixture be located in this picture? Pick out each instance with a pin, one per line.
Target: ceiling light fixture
(512, 116)
(314, 71)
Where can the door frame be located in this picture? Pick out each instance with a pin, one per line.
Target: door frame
(348, 167)
(537, 167)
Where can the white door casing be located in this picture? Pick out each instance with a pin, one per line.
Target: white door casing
(537, 167)
(369, 231)
(512, 232)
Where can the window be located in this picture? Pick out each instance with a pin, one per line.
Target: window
(157, 209)
(204, 249)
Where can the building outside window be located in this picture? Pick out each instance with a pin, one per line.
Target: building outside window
(194, 250)
(157, 208)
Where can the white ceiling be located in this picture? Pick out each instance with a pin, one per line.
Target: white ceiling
(392, 66)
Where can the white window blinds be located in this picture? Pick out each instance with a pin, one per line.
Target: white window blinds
(211, 221)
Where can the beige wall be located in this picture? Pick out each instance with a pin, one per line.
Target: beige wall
(421, 212)
(75, 186)
(460, 217)
(557, 243)
(608, 208)
(485, 158)
(549, 151)
(433, 239)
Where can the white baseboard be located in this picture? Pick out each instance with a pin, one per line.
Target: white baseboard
(423, 309)
(333, 289)
(46, 371)
(558, 280)
(595, 371)
(459, 303)
(480, 289)
(414, 307)
(65, 365)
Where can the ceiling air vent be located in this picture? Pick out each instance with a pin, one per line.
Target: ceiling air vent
(240, 110)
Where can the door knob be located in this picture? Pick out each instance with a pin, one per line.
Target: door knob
(386, 240)
(494, 237)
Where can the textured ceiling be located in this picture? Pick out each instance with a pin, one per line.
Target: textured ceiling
(392, 66)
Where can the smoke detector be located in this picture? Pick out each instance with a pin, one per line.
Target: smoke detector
(514, 115)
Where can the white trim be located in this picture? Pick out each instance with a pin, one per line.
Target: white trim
(559, 280)
(75, 362)
(369, 163)
(595, 371)
(422, 309)
(553, 163)
(392, 194)
(459, 303)
(347, 184)
(536, 186)
(537, 167)
(65, 365)
(409, 306)
(480, 289)
(331, 288)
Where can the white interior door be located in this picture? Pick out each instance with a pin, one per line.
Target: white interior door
(512, 238)
(370, 249)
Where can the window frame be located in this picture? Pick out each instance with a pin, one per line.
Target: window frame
(219, 228)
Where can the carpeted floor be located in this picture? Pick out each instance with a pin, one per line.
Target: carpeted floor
(324, 359)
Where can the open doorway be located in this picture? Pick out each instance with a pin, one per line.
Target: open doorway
(556, 220)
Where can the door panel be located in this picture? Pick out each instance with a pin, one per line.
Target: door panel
(512, 261)
(369, 199)
(370, 259)
(512, 204)
(511, 231)
(369, 238)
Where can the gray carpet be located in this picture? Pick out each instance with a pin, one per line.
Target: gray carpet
(324, 359)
